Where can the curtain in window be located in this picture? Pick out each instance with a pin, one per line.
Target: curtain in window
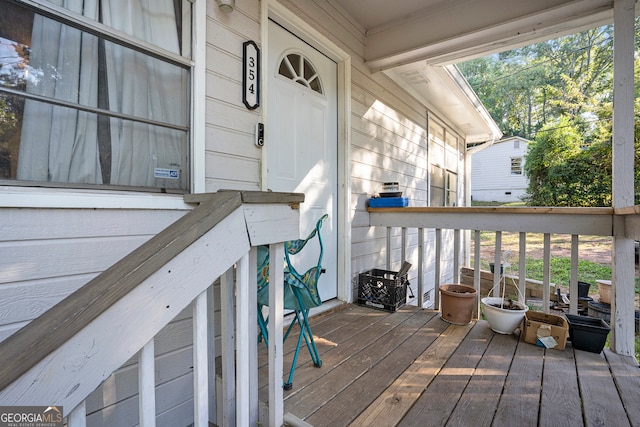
(61, 144)
(155, 92)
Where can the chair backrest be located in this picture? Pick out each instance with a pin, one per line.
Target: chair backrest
(307, 283)
(306, 293)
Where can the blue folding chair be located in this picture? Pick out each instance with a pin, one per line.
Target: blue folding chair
(300, 295)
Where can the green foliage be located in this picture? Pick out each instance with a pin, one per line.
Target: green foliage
(559, 94)
(562, 174)
(525, 89)
(8, 118)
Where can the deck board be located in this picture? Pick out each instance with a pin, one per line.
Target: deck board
(521, 395)
(601, 402)
(626, 377)
(560, 403)
(480, 399)
(386, 360)
(406, 368)
(340, 374)
(391, 406)
(439, 399)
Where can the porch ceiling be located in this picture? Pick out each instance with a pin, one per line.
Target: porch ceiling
(443, 32)
(416, 41)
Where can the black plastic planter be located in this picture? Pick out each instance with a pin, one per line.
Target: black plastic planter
(587, 333)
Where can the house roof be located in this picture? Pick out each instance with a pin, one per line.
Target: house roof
(444, 89)
(474, 148)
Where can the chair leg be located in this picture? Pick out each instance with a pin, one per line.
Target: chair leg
(262, 324)
(301, 317)
(289, 384)
(308, 337)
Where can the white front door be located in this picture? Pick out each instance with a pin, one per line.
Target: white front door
(302, 143)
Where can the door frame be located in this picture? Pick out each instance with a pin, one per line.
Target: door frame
(272, 9)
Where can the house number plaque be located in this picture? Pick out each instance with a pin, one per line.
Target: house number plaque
(251, 75)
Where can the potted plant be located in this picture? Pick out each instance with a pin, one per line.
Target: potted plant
(457, 302)
(503, 314)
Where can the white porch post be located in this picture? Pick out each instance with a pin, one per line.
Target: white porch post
(244, 340)
(276, 311)
(623, 265)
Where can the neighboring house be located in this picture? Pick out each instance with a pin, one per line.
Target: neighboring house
(497, 171)
(117, 109)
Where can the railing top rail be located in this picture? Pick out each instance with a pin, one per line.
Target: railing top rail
(504, 209)
(629, 210)
(556, 220)
(252, 197)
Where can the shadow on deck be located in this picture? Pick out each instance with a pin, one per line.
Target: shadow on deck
(411, 368)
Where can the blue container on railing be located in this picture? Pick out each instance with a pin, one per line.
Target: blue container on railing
(388, 202)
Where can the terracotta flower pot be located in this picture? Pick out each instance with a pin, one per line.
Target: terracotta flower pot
(457, 302)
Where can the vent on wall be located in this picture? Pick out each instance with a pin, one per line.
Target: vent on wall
(428, 302)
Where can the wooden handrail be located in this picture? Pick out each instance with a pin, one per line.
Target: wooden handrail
(252, 197)
(29, 345)
(587, 221)
(501, 209)
(32, 343)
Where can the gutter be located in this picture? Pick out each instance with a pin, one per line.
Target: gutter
(456, 76)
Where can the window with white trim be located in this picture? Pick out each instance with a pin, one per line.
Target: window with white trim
(444, 155)
(516, 166)
(96, 93)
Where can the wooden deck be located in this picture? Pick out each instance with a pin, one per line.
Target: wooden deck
(411, 368)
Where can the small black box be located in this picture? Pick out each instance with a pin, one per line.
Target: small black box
(382, 289)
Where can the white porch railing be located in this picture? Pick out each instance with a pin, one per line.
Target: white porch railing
(64, 355)
(568, 221)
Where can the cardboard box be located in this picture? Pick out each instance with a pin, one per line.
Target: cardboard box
(538, 324)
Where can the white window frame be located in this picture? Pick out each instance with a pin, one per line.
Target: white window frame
(516, 166)
(21, 194)
(450, 147)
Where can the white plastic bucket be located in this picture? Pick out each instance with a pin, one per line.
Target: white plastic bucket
(501, 320)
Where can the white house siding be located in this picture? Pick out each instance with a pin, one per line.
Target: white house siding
(388, 143)
(388, 128)
(46, 253)
(232, 158)
(491, 177)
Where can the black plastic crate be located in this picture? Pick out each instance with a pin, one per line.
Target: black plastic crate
(382, 289)
(587, 333)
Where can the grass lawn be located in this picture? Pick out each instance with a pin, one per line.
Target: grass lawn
(588, 270)
(596, 248)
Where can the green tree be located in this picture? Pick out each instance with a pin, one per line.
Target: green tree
(526, 88)
(559, 94)
(546, 160)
